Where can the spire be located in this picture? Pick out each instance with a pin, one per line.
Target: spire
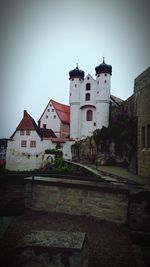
(103, 60)
(77, 65)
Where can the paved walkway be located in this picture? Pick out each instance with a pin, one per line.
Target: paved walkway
(117, 174)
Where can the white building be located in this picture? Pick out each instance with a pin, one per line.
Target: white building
(56, 116)
(89, 100)
(26, 147)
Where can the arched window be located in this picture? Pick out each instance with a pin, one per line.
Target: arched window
(89, 115)
(88, 86)
(87, 97)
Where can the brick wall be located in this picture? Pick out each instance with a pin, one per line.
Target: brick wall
(142, 100)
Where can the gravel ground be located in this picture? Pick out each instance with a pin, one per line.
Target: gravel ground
(109, 244)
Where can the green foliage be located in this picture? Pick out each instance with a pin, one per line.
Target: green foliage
(54, 151)
(123, 134)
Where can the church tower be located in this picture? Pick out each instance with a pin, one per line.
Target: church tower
(76, 77)
(102, 101)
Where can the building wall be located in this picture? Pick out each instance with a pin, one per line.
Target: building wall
(142, 101)
(99, 103)
(51, 119)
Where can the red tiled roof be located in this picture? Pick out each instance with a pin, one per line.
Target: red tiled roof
(63, 111)
(27, 123)
(46, 133)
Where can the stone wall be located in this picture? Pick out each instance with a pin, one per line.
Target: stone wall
(142, 100)
(78, 198)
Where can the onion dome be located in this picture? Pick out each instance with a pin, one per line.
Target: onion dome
(76, 73)
(103, 68)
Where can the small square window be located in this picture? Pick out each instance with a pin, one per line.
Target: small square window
(97, 92)
(27, 132)
(23, 143)
(75, 85)
(105, 74)
(48, 110)
(72, 79)
(21, 132)
(50, 105)
(54, 116)
(105, 81)
(52, 110)
(88, 78)
(46, 116)
(32, 143)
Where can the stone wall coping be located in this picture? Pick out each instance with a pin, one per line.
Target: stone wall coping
(53, 239)
(73, 183)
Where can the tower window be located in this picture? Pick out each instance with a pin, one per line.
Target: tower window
(46, 116)
(105, 81)
(89, 115)
(75, 85)
(87, 97)
(72, 79)
(105, 74)
(88, 86)
(88, 78)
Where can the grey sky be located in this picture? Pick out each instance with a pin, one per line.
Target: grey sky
(41, 41)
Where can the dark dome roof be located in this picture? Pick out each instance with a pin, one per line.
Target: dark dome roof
(103, 68)
(76, 73)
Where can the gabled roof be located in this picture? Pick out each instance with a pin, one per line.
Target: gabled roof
(63, 111)
(28, 123)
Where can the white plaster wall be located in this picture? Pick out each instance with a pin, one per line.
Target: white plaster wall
(51, 122)
(26, 158)
(67, 150)
(91, 91)
(87, 127)
(74, 100)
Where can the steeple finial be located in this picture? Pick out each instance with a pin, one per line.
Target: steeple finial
(77, 65)
(103, 60)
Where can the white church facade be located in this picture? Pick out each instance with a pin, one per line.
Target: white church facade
(61, 125)
(89, 101)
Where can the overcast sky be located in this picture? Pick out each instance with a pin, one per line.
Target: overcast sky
(41, 41)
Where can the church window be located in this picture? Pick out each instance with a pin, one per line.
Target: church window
(148, 136)
(22, 132)
(46, 116)
(32, 143)
(88, 86)
(75, 85)
(89, 115)
(143, 136)
(105, 81)
(87, 97)
(23, 143)
(27, 132)
(97, 92)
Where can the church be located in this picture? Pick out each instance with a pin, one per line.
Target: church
(89, 100)
(61, 125)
